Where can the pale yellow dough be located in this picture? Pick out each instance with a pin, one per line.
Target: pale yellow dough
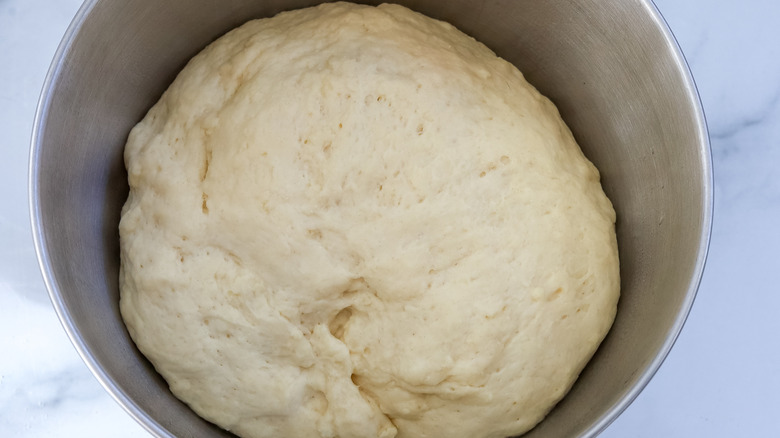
(351, 221)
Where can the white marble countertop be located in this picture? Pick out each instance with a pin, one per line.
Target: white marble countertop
(722, 378)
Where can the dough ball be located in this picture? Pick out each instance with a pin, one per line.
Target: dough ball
(355, 221)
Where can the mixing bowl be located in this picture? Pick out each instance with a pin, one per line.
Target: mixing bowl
(611, 66)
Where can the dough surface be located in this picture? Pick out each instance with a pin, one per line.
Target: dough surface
(354, 221)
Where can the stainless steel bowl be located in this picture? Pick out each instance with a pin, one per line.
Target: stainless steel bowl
(612, 67)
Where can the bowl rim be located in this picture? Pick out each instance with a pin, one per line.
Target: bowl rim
(41, 249)
(156, 429)
(705, 155)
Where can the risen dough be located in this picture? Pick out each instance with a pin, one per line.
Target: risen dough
(351, 221)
